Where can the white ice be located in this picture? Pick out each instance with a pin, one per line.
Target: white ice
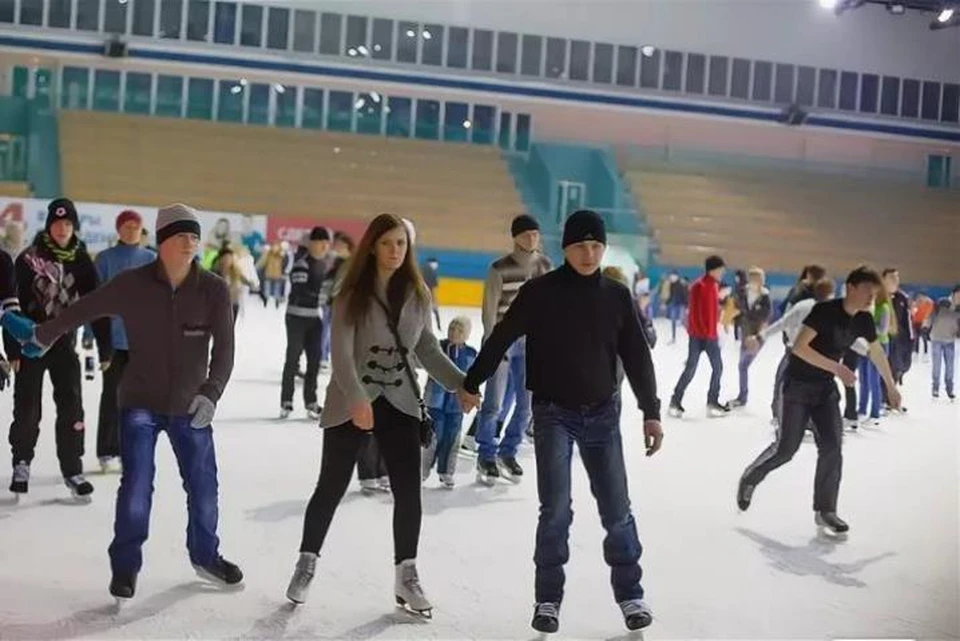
(709, 571)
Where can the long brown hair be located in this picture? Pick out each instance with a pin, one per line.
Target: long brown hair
(883, 298)
(359, 283)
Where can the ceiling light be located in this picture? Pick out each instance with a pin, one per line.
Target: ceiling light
(360, 103)
(427, 35)
(945, 15)
(648, 50)
(374, 96)
(411, 33)
(279, 88)
(351, 51)
(235, 89)
(363, 51)
(467, 124)
(828, 4)
(377, 47)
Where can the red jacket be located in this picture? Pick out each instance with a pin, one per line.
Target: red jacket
(704, 314)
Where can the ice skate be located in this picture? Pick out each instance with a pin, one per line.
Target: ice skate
(383, 484)
(123, 587)
(447, 481)
(546, 617)
(79, 487)
(851, 423)
(487, 472)
(408, 592)
(636, 614)
(510, 469)
(20, 483)
(220, 572)
(832, 525)
(936, 394)
(744, 495)
(109, 464)
(676, 409)
(313, 411)
(718, 410)
(368, 486)
(299, 586)
(469, 444)
(736, 404)
(286, 410)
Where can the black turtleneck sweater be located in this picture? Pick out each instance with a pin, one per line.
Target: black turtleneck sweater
(576, 327)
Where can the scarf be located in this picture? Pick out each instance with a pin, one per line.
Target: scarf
(63, 254)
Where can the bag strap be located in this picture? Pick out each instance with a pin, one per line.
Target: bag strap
(402, 350)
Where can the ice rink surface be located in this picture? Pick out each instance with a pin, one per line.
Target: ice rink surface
(709, 571)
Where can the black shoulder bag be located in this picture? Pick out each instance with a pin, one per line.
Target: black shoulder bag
(426, 423)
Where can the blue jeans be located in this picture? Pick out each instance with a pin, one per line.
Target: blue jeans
(196, 458)
(443, 451)
(694, 349)
(870, 391)
(514, 365)
(746, 358)
(675, 314)
(596, 432)
(943, 354)
(509, 398)
(325, 336)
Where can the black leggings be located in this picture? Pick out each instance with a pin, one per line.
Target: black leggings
(398, 436)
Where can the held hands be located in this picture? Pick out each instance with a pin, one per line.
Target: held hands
(361, 415)
(652, 436)
(201, 410)
(24, 331)
(467, 400)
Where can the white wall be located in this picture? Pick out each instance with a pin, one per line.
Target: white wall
(796, 31)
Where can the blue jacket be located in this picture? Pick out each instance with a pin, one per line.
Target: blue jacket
(435, 397)
(111, 262)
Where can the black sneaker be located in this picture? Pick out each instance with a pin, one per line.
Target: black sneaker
(20, 482)
(78, 486)
(676, 409)
(831, 522)
(487, 472)
(123, 586)
(744, 495)
(511, 468)
(717, 410)
(637, 615)
(546, 617)
(221, 572)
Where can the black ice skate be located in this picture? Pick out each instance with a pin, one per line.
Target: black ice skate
(408, 591)
(20, 483)
(79, 487)
(676, 409)
(718, 410)
(487, 472)
(286, 410)
(302, 577)
(830, 523)
(220, 572)
(744, 495)
(123, 586)
(546, 617)
(510, 468)
(637, 615)
(313, 411)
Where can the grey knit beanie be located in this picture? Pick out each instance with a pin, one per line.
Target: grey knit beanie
(176, 219)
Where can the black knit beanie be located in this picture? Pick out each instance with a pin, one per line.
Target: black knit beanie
(62, 209)
(319, 233)
(523, 223)
(584, 225)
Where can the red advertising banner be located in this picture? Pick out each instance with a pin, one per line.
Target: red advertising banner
(294, 228)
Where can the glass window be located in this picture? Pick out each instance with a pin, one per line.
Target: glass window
(869, 86)
(890, 96)
(827, 92)
(783, 91)
(762, 80)
(340, 111)
(672, 70)
(88, 15)
(806, 85)
(230, 101)
(602, 63)
(7, 9)
(75, 89)
(356, 41)
(696, 72)
(407, 41)
(740, 79)
(169, 96)
(910, 108)
(224, 23)
(717, 83)
(200, 98)
(456, 122)
(59, 16)
(399, 112)
(650, 70)
(579, 60)
(136, 94)
(114, 17)
(106, 90)
(503, 137)
(31, 12)
(432, 36)
(286, 114)
(143, 17)
(848, 91)
(170, 13)
(482, 58)
(457, 45)
(258, 112)
(930, 104)
(556, 58)
(950, 111)
(198, 20)
(304, 30)
(506, 52)
(251, 25)
(278, 26)
(330, 25)
(482, 132)
(627, 66)
(312, 109)
(21, 81)
(523, 132)
(428, 120)
(531, 54)
(369, 108)
(382, 39)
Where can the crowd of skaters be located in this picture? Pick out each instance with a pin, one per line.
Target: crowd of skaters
(374, 415)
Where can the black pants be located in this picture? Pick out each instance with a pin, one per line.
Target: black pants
(370, 462)
(236, 313)
(108, 423)
(852, 360)
(398, 436)
(303, 334)
(64, 367)
(816, 404)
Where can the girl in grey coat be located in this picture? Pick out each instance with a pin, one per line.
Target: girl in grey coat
(370, 390)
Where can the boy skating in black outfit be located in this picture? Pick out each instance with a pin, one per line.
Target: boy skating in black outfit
(810, 393)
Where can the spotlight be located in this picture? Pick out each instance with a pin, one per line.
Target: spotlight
(467, 124)
(279, 88)
(427, 35)
(648, 50)
(945, 15)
